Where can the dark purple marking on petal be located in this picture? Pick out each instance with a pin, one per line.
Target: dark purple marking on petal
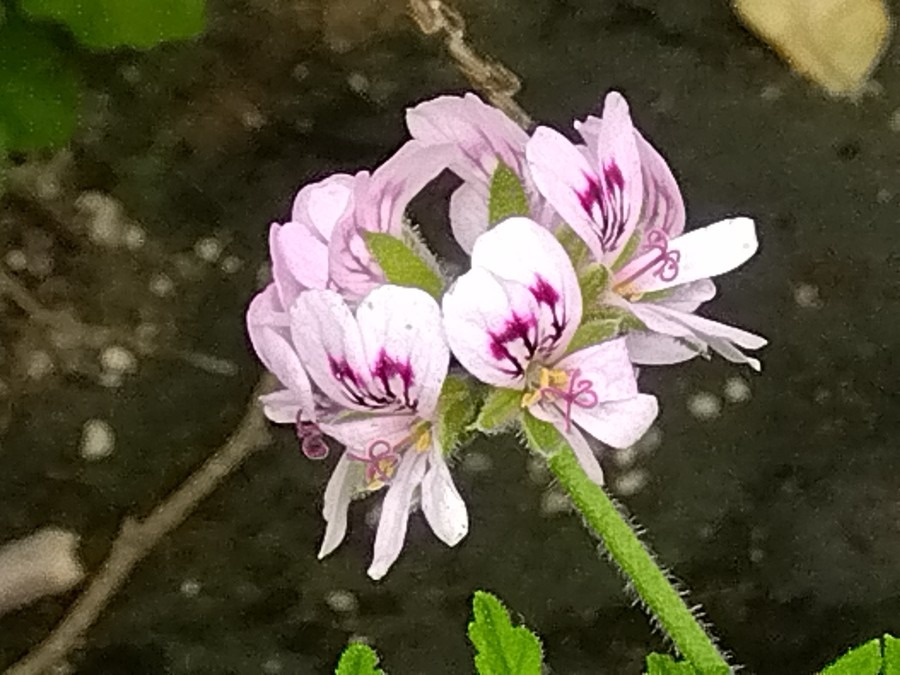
(387, 369)
(603, 198)
(548, 296)
(354, 386)
(519, 333)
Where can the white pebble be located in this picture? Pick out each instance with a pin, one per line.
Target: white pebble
(807, 296)
(16, 260)
(98, 440)
(231, 264)
(190, 588)
(342, 601)
(117, 359)
(477, 462)
(553, 503)
(134, 237)
(631, 482)
(704, 406)
(39, 365)
(272, 666)
(737, 390)
(625, 457)
(650, 441)
(894, 121)
(208, 249)
(161, 285)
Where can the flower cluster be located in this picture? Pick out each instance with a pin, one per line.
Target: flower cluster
(579, 271)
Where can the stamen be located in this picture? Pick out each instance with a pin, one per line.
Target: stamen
(665, 264)
(577, 392)
(422, 439)
(381, 461)
(310, 437)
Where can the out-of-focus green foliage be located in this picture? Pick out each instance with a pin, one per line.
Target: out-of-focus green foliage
(106, 24)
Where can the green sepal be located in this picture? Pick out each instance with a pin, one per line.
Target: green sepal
(107, 24)
(507, 197)
(593, 332)
(358, 659)
(593, 281)
(627, 253)
(575, 248)
(501, 648)
(626, 320)
(501, 407)
(456, 408)
(401, 265)
(663, 664)
(864, 659)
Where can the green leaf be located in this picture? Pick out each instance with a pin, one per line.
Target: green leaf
(401, 265)
(663, 664)
(455, 410)
(891, 655)
(507, 196)
(502, 648)
(593, 332)
(38, 89)
(864, 659)
(106, 24)
(593, 281)
(501, 407)
(358, 659)
(577, 250)
(542, 436)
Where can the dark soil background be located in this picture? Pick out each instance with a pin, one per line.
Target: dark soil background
(779, 508)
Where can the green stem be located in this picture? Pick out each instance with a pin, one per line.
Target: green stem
(651, 584)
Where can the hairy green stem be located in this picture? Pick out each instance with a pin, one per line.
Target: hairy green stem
(651, 584)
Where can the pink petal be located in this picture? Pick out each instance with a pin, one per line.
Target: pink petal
(618, 423)
(583, 452)
(491, 326)
(282, 406)
(358, 433)
(468, 215)
(299, 260)
(321, 205)
(442, 505)
(606, 367)
(662, 206)
(395, 513)
(338, 494)
(269, 335)
(403, 338)
(521, 251)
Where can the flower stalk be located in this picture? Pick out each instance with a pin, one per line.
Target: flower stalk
(656, 592)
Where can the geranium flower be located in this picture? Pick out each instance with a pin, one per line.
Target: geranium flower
(380, 373)
(509, 321)
(484, 136)
(618, 194)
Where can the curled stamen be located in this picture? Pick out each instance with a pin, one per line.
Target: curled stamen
(664, 265)
(381, 461)
(579, 392)
(310, 437)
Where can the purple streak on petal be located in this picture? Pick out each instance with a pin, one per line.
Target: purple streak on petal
(603, 199)
(387, 368)
(517, 330)
(545, 294)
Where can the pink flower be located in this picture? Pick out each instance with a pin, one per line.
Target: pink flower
(509, 321)
(484, 136)
(617, 187)
(380, 373)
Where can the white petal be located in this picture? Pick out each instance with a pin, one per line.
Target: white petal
(442, 505)
(663, 206)
(403, 337)
(520, 250)
(338, 493)
(281, 406)
(395, 513)
(653, 349)
(482, 316)
(706, 327)
(468, 215)
(321, 205)
(703, 253)
(330, 346)
(688, 297)
(299, 260)
(618, 423)
(357, 433)
(574, 438)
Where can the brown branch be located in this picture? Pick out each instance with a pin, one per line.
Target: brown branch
(497, 82)
(138, 537)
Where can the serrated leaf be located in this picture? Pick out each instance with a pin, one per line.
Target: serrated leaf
(628, 251)
(891, 654)
(593, 281)
(500, 409)
(574, 246)
(663, 664)
(864, 659)
(542, 436)
(38, 89)
(401, 265)
(593, 332)
(507, 197)
(455, 411)
(502, 649)
(358, 659)
(106, 24)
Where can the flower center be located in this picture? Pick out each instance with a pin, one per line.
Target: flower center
(565, 386)
(381, 462)
(657, 260)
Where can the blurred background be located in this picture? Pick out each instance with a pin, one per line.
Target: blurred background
(773, 497)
